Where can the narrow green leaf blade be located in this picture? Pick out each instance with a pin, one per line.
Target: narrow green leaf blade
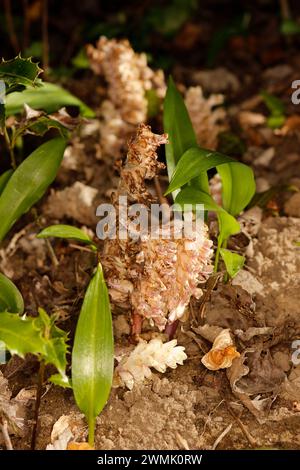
(48, 97)
(93, 351)
(65, 231)
(238, 186)
(178, 126)
(29, 182)
(4, 179)
(193, 162)
(11, 299)
(233, 261)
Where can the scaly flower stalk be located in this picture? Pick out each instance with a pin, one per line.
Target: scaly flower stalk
(207, 121)
(155, 276)
(128, 78)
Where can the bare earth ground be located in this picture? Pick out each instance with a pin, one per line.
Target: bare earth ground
(189, 407)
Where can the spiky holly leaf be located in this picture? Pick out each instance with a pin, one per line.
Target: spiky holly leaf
(55, 343)
(20, 334)
(40, 336)
(19, 71)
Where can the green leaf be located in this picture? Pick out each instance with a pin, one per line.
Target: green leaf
(48, 97)
(40, 126)
(274, 122)
(55, 343)
(81, 61)
(4, 179)
(19, 71)
(193, 162)
(93, 352)
(29, 182)
(11, 299)
(233, 261)
(36, 335)
(228, 226)
(57, 379)
(274, 104)
(193, 196)
(178, 126)
(227, 223)
(238, 186)
(289, 27)
(66, 231)
(153, 103)
(20, 334)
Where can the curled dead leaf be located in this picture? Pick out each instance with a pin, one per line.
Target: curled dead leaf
(222, 353)
(79, 446)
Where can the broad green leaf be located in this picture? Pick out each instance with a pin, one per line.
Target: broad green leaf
(29, 182)
(193, 162)
(178, 126)
(228, 226)
(233, 261)
(4, 179)
(20, 334)
(19, 71)
(193, 196)
(48, 97)
(68, 232)
(238, 186)
(11, 299)
(93, 352)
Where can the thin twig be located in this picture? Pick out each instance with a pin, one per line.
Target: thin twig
(81, 248)
(45, 37)
(52, 254)
(10, 26)
(221, 436)
(37, 404)
(4, 429)
(243, 428)
(26, 25)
